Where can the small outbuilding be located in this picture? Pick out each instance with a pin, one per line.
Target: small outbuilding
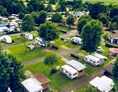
(36, 83)
(104, 84)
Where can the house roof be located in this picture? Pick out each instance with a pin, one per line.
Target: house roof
(109, 68)
(104, 83)
(32, 85)
(41, 78)
(75, 64)
(114, 35)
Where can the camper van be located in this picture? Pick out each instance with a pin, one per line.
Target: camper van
(92, 60)
(41, 42)
(6, 39)
(76, 40)
(69, 71)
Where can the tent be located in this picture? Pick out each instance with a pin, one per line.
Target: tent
(104, 84)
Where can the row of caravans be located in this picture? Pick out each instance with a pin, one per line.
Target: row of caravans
(95, 59)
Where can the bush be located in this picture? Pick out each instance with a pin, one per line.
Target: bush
(55, 47)
(75, 55)
(53, 71)
(111, 45)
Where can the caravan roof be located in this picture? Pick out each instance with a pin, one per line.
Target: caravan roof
(92, 58)
(99, 56)
(69, 69)
(77, 65)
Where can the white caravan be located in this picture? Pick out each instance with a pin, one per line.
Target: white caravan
(69, 71)
(6, 39)
(92, 60)
(41, 42)
(76, 40)
(28, 36)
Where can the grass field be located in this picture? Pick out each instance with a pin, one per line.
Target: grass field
(23, 56)
(105, 1)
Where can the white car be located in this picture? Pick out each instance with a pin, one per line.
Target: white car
(76, 40)
(29, 36)
(41, 42)
(31, 47)
(99, 49)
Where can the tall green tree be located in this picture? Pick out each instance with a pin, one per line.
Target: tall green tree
(42, 17)
(28, 23)
(70, 20)
(51, 60)
(49, 8)
(91, 35)
(115, 74)
(35, 15)
(57, 17)
(3, 11)
(11, 73)
(49, 31)
(114, 12)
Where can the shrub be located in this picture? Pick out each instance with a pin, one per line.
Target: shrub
(75, 55)
(53, 71)
(63, 31)
(111, 45)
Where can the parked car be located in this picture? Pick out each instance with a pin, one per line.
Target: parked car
(29, 36)
(76, 40)
(99, 49)
(41, 42)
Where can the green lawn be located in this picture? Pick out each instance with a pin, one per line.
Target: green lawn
(91, 69)
(58, 80)
(22, 55)
(60, 42)
(66, 28)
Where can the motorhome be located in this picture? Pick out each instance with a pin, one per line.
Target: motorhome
(76, 40)
(69, 71)
(92, 60)
(41, 42)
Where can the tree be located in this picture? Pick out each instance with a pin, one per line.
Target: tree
(28, 23)
(52, 1)
(115, 74)
(49, 8)
(11, 73)
(3, 11)
(106, 36)
(49, 31)
(81, 24)
(114, 12)
(35, 15)
(51, 60)
(21, 15)
(96, 9)
(70, 20)
(42, 17)
(57, 17)
(113, 25)
(104, 19)
(115, 20)
(91, 35)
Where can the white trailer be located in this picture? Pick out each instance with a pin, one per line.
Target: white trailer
(69, 71)
(92, 60)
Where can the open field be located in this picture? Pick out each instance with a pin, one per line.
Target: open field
(105, 1)
(23, 56)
